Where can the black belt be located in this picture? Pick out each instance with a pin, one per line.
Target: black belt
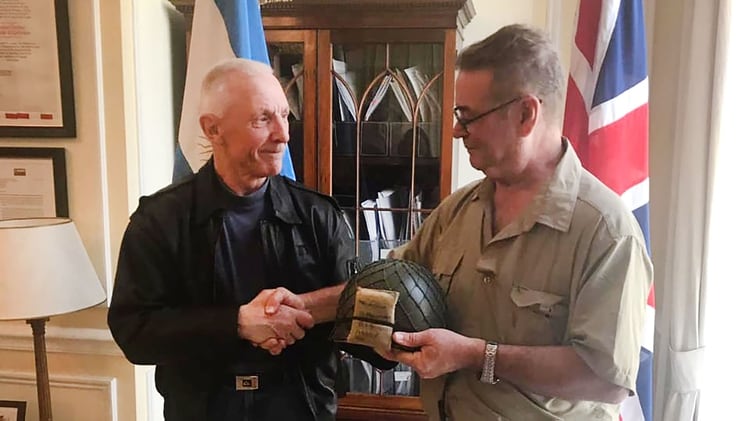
(256, 381)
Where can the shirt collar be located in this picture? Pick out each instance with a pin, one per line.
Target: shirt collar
(210, 197)
(554, 204)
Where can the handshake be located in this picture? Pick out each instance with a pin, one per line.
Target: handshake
(274, 319)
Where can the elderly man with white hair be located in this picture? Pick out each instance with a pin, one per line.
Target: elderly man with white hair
(202, 258)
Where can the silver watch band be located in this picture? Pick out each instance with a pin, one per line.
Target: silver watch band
(488, 369)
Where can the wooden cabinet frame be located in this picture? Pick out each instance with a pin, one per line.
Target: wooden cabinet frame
(308, 38)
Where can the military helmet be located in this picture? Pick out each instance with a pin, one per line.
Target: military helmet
(421, 304)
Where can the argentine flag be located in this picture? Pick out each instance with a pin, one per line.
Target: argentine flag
(222, 29)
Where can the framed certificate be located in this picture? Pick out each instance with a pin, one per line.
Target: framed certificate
(12, 411)
(33, 183)
(36, 78)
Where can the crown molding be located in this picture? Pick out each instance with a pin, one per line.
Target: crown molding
(463, 8)
(465, 14)
(358, 4)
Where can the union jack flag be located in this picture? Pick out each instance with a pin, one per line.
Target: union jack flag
(606, 120)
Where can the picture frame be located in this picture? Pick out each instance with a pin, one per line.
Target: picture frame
(12, 410)
(36, 74)
(33, 183)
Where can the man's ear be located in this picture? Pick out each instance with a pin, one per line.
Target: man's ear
(210, 127)
(528, 115)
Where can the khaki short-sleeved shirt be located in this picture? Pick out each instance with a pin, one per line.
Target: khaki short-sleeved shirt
(571, 270)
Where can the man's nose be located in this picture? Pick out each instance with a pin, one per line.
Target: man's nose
(459, 131)
(281, 128)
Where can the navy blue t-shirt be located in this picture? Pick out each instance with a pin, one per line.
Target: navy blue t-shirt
(239, 265)
(240, 269)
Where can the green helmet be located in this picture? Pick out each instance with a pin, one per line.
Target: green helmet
(421, 304)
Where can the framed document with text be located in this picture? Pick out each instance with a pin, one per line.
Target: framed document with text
(12, 411)
(36, 78)
(33, 183)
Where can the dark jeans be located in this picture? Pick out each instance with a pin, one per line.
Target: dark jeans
(273, 403)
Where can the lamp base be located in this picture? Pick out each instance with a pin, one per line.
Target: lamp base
(42, 375)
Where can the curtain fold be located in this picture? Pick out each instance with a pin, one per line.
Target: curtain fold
(726, 371)
(688, 63)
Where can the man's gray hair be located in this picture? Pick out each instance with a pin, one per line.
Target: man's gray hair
(213, 93)
(522, 60)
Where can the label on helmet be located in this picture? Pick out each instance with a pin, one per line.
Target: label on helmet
(374, 314)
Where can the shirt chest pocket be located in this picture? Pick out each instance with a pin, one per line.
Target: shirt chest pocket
(537, 317)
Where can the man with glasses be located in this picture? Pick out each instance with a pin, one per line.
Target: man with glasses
(545, 270)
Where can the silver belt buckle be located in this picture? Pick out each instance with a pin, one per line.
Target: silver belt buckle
(246, 383)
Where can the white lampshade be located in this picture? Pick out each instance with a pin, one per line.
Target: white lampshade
(44, 270)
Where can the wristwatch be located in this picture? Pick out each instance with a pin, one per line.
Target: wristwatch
(488, 368)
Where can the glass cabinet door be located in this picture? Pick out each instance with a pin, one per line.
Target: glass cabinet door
(291, 54)
(386, 108)
(386, 113)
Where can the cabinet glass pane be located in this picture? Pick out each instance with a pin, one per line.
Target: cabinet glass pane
(386, 100)
(286, 60)
(386, 111)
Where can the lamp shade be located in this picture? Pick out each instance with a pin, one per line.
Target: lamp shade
(44, 269)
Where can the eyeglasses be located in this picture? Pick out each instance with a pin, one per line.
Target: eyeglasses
(464, 122)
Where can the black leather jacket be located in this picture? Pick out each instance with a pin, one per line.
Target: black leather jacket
(164, 309)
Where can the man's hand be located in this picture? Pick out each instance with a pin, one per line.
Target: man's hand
(282, 327)
(441, 351)
(274, 346)
(321, 304)
(275, 298)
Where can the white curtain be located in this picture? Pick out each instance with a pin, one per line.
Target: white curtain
(688, 62)
(726, 368)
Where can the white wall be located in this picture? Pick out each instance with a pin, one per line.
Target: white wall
(161, 30)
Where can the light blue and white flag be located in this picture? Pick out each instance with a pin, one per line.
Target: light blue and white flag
(222, 29)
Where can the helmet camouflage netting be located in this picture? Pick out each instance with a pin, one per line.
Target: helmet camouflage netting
(421, 304)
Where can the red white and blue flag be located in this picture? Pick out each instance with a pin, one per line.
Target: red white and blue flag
(222, 29)
(606, 120)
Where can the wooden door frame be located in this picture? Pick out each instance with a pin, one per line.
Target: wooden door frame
(308, 38)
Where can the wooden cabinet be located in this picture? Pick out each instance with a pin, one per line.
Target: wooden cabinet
(369, 407)
(374, 88)
(370, 86)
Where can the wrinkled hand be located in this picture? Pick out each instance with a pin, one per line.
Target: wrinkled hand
(274, 346)
(441, 351)
(273, 330)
